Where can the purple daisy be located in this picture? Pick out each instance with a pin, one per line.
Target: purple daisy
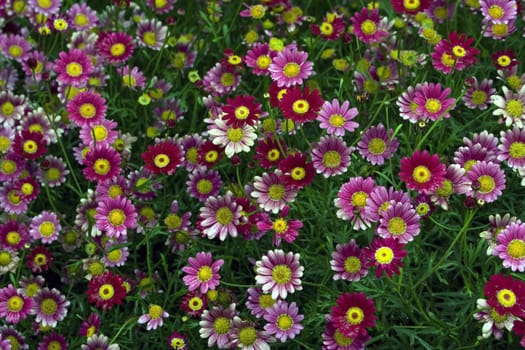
(333, 339)
(498, 11)
(258, 302)
(271, 193)
(116, 47)
(487, 181)
(50, 306)
(290, 67)
(45, 227)
(331, 156)
(283, 320)
(512, 148)
(259, 58)
(245, 335)
(367, 27)
(11, 166)
(283, 228)
(52, 340)
(467, 156)
(454, 182)
(115, 216)
(337, 118)
(216, 325)
(349, 262)
(115, 254)
(433, 101)
(10, 201)
(98, 342)
(478, 95)
(351, 201)
(377, 144)
(221, 80)
(399, 221)
(220, 216)
(408, 106)
(279, 273)
(132, 78)
(14, 306)
(386, 254)
(510, 246)
(82, 17)
(15, 47)
(202, 273)
(154, 317)
(151, 34)
(101, 132)
(204, 183)
(52, 171)
(73, 68)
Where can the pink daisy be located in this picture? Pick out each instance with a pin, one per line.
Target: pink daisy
(45, 227)
(86, 108)
(202, 273)
(14, 46)
(102, 163)
(478, 95)
(433, 101)
(246, 335)
(50, 307)
(204, 183)
(283, 320)
(337, 119)
(487, 181)
(115, 216)
(259, 58)
(377, 144)
(82, 17)
(132, 78)
(221, 79)
(73, 68)
(219, 216)
(14, 306)
(259, 302)
(499, 11)
(279, 273)
(510, 246)
(512, 147)
(422, 172)
(102, 132)
(349, 262)
(151, 34)
(400, 221)
(271, 192)
(386, 254)
(290, 67)
(116, 47)
(154, 317)
(52, 340)
(283, 228)
(216, 325)
(454, 182)
(408, 106)
(331, 156)
(366, 26)
(351, 201)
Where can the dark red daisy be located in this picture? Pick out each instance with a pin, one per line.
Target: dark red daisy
(106, 290)
(506, 295)
(422, 172)
(163, 157)
(301, 105)
(30, 144)
(269, 152)
(297, 172)
(353, 314)
(241, 110)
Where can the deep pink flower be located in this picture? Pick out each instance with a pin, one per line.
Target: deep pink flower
(353, 314)
(202, 273)
(422, 172)
(290, 67)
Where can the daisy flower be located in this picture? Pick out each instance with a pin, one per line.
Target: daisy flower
(177, 341)
(297, 172)
(493, 322)
(337, 118)
(331, 28)
(279, 273)
(102, 163)
(160, 7)
(233, 140)
(410, 7)
(433, 101)
(132, 78)
(505, 59)
(283, 320)
(246, 336)
(487, 181)
(11, 166)
(377, 144)
(351, 201)
(14, 306)
(259, 302)
(242, 110)
(30, 144)
(82, 17)
(498, 11)
(386, 254)
(290, 67)
(116, 47)
(454, 182)
(510, 247)
(299, 105)
(408, 106)
(221, 80)
(219, 216)
(349, 262)
(498, 31)
(511, 107)
(154, 317)
(115, 216)
(163, 157)
(283, 228)
(28, 188)
(15, 47)
(216, 325)
(258, 58)
(366, 26)
(87, 108)
(14, 235)
(269, 152)
(50, 307)
(151, 34)
(73, 68)
(271, 192)
(399, 221)
(106, 290)
(512, 148)
(353, 314)
(98, 342)
(204, 183)
(114, 254)
(39, 259)
(45, 226)
(9, 260)
(478, 95)
(422, 172)
(454, 53)
(202, 273)
(194, 303)
(505, 294)
(333, 339)
(52, 340)
(102, 132)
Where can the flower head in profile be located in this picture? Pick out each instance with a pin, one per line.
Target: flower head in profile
(422, 172)
(202, 272)
(154, 317)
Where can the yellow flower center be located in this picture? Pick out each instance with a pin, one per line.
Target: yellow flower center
(291, 70)
(459, 51)
(383, 72)
(116, 217)
(7, 108)
(81, 20)
(384, 255)
(5, 144)
(433, 105)
(40, 259)
(516, 249)
(221, 325)
(101, 166)
(53, 174)
(115, 191)
(195, 303)
(273, 155)
(479, 97)
(54, 345)
(129, 80)
(46, 229)
(205, 274)
(15, 50)
(326, 28)
(224, 216)
(446, 189)
(441, 13)
(504, 60)
(300, 106)
(247, 336)
(376, 146)
(498, 318)
(242, 112)
(280, 226)
(397, 226)
(13, 237)
(32, 289)
(515, 108)
(8, 167)
(371, 86)
(227, 79)
(49, 306)
(421, 174)
(117, 49)
(496, 12)
(74, 69)
(160, 3)
(355, 315)
(234, 134)
(266, 301)
(336, 120)
(106, 291)
(506, 297)
(298, 173)
(211, 156)
(27, 188)
(99, 132)
(486, 184)
(114, 255)
(341, 339)
(500, 29)
(517, 150)
(15, 303)
(411, 4)
(45, 4)
(13, 197)
(368, 27)
(30, 147)
(263, 61)
(359, 199)
(257, 11)
(177, 343)
(352, 264)
(204, 186)
(276, 192)
(332, 159)
(36, 128)
(161, 160)
(155, 311)
(5, 258)
(150, 38)
(447, 60)
(281, 274)
(284, 322)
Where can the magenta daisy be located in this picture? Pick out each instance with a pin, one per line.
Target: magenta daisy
(14, 306)
(279, 273)
(162, 6)
(283, 228)
(14, 235)
(487, 181)
(99, 342)
(271, 193)
(220, 216)
(510, 246)
(241, 110)
(204, 183)
(202, 273)
(455, 182)
(53, 340)
(216, 325)
(258, 302)
(52, 172)
(73, 68)
(87, 108)
(386, 254)
(45, 227)
(349, 262)
(50, 307)
(333, 339)
(353, 314)
(399, 221)
(163, 157)
(422, 172)
(116, 47)
(478, 94)
(82, 17)
(433, 101)
(102, 132)
(246, 335)
(259, 58)
(512, 148)
(14, 46)
(221, 79)
(115, 216)
(366, 26)
(300, 105)
(283, 320)
(408, 106)
(505, 294)
(178, 341)
(337, 118)
(351, 201)
(154, 317)
(102, 163)
(290, 67)
(377, 144)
